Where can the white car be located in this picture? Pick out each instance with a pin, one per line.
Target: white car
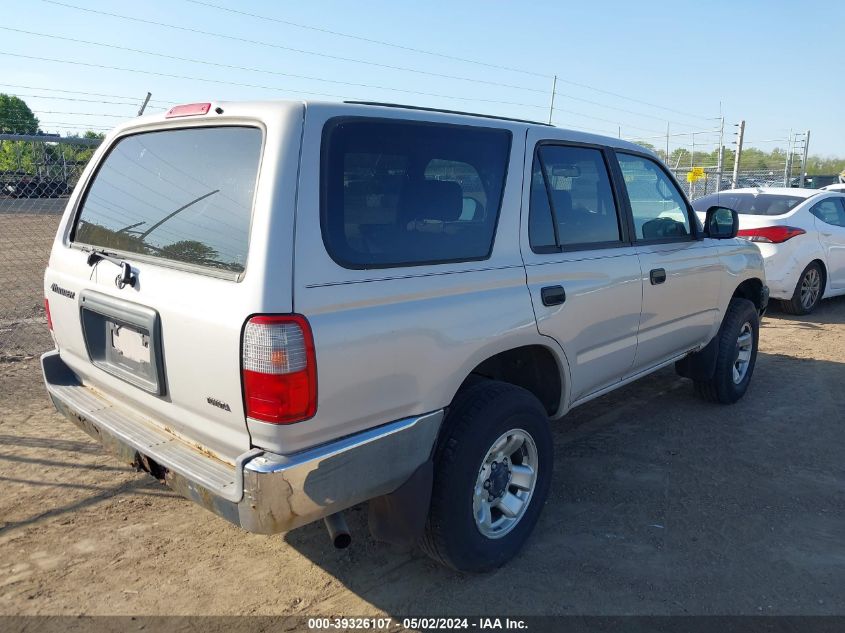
(801, 234)
(840, 187)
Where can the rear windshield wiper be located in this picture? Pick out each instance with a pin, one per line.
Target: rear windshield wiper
(144, 234)
(126, 276)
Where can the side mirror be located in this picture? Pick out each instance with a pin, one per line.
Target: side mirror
(721, 223)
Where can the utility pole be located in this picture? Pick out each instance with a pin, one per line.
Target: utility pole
(720, 157)
(804, 159)
(667, 142)
(787, 168)
(144, 105)
(552, 102)
(739, 137)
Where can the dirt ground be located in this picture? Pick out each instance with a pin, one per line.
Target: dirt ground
(661, 504)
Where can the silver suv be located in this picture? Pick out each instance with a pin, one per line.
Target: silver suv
(283, 309)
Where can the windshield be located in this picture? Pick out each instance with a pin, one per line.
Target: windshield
(749, 203)
(183, 195)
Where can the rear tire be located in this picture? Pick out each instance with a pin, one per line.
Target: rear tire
(493, 469)
(738, 339)
(808, 291)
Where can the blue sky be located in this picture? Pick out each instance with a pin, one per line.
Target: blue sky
(630, 65)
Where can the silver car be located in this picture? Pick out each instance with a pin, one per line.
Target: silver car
(283, 309)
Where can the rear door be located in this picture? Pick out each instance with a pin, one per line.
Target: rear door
(583, 274)
(681, 275)
(176, 204)
(830, 223)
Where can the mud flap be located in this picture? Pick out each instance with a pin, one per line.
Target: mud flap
(701, 365)
(399, 517)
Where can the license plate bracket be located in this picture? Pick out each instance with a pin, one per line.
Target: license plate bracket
(123, 339)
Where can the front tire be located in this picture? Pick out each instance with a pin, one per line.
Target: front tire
(493, 467)
(808, 291)
(738, 339)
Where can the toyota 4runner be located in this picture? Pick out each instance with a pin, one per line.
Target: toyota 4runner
(284, 309)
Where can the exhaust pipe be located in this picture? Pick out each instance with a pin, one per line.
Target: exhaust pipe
(338, 530)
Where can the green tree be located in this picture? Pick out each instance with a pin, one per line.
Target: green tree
(188, 251)
(16, 117)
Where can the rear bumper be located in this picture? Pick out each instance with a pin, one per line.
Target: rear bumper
(262, 492)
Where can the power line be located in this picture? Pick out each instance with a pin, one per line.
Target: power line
(79, 92)
(372, 41)
(346, 83)
(442, 55)
(235, 83)
(112, 116)
(260, 70)
(290, 48)
(76, 99)
(357, 61)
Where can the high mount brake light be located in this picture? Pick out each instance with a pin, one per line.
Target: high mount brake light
(279, 369)
(188, 109)
(771, 234)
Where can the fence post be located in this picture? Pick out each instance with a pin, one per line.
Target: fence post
(804, 159)
(739, 137)
(787, 168)
(691, 159)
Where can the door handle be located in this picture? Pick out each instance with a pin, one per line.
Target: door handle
(657, 276)
(553, 295)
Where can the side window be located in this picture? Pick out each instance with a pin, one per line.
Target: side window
(399, 193)
(830, 211)
(658, 207)
(572, 201)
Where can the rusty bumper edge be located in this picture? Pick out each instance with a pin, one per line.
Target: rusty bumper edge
(282, 492)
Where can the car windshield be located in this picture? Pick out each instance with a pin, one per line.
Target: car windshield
(749, 203)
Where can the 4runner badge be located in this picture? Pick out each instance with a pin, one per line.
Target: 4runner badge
(217, 403)
(61, 291)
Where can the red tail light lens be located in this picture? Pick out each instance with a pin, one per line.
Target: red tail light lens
(771, 234)
(188, 109)
(279, 369)
(47, 312)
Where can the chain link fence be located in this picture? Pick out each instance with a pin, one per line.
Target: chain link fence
(37, 174)
(711, 182)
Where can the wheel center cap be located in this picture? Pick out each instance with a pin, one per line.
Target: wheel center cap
(499, 478)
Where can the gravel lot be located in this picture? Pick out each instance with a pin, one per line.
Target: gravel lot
(661, 504)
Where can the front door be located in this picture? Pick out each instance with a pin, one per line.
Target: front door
(681, 274)
(830, 223)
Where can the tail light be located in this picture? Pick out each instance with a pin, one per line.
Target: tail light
(771, 234)
(47, 312)
(279, 369)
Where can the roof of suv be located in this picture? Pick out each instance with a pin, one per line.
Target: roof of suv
(375, 108)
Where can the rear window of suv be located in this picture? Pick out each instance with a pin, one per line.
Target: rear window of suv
(749, 203)
(183, 195)
(400, 193)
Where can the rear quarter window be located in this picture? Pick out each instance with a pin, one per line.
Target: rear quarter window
(400, 193)
(183, 195)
